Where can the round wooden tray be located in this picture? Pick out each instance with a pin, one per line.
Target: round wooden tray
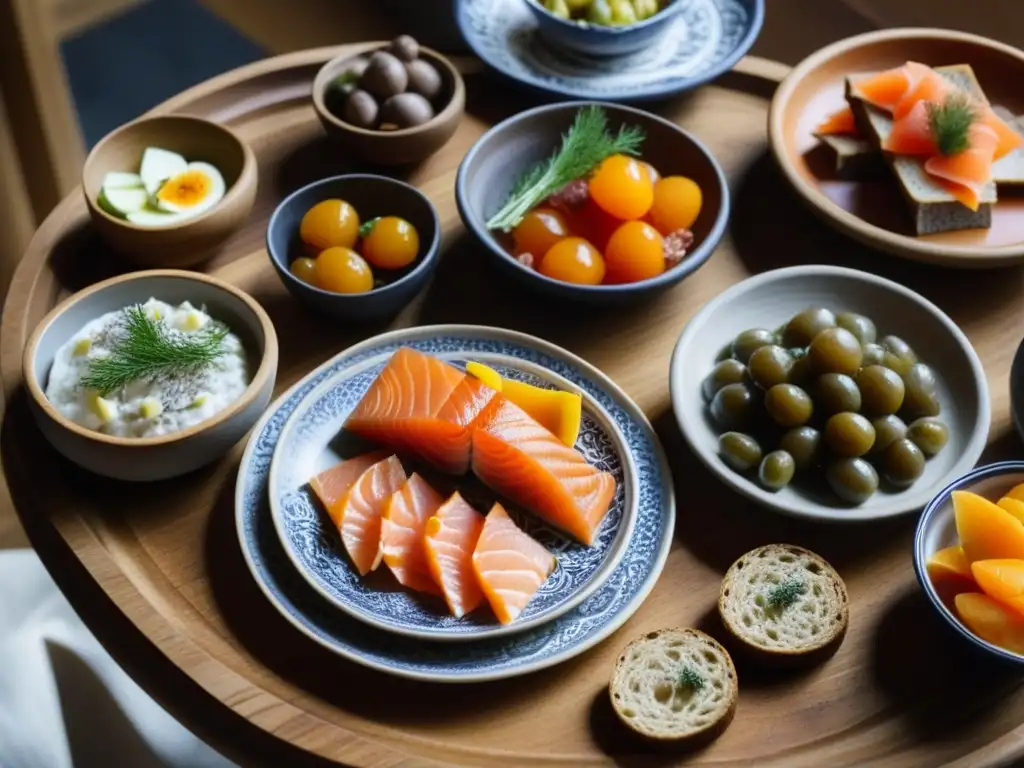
(156, 573)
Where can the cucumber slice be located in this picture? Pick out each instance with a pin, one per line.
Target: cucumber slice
(150, 218)
(123, 202)
(119, 180)
(158, 165)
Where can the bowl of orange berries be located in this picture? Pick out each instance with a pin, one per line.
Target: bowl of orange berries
(357, 247)
(593, 202)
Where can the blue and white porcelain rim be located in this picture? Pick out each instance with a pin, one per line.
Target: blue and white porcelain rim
(745, 44)
(921, 558)
(845, 515)
(620, 618)
(606, 569)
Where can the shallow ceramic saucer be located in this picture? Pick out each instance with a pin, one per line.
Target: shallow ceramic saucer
(770, 299)
(313, 440)
(702, 40)
(585, 626)
(874, 212)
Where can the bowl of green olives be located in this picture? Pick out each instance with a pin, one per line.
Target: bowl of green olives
(603, 27)
(828, 393)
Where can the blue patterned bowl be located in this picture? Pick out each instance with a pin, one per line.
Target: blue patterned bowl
(597, 40)
(313, 440)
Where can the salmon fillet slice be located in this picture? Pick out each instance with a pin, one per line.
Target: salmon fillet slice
(449, 541)
(526, 463)
(403, 525)
(451, 437)
(361, 510)
(331, 485)
(509, 564)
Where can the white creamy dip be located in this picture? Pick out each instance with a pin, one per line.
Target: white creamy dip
(145, 407)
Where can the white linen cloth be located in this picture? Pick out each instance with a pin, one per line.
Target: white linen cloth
(65, 703)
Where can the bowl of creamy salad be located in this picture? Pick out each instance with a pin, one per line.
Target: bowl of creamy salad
(152, 374)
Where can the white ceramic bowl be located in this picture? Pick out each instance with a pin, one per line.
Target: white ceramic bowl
(770, 299)
(153, 458)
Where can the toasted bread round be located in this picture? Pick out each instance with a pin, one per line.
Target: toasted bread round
(784, 604)
(675, 686)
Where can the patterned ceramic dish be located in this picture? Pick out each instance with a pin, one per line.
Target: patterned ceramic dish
(590, 622)
(313, 440)
(701, 40)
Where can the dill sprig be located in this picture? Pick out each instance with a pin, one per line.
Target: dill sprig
(786, 593)
(147, 350)
(950, 123)
(587, 144)
(690, 678)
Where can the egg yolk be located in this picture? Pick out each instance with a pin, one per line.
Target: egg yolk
(676, 205)
(304, 269)
(573, 260)
(329, 224)
(392, 243)
(342, 270)
(622, 187)
(540, 229)
(635, 252)
(187, 189)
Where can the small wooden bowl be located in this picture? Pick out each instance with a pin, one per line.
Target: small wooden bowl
(404, 146)
(193, 240)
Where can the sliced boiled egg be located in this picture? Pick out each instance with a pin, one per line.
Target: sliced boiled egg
(198, 188)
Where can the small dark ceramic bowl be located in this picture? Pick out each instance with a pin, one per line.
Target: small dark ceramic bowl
(598, 40)
(937, 529)
(371, 196)
(1017, 390)
(504, 153)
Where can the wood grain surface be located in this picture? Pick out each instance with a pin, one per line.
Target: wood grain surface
(156, 572)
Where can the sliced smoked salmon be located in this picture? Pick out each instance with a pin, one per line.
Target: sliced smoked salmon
(1007, 138)
(968, 171)
(403, 525)
(883, 89)
(838, 122)
(331, 485)
(510, 565)
(450, 438)
(525, 462)
(361, 509)
(449, 542)
(925, 84)
(912, 133)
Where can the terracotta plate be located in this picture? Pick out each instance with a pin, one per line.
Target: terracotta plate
(874, 212)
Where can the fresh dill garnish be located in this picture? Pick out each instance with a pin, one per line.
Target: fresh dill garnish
(950, 123)
(786, 593)
(587, 144)
(145, 349)
(690, 678)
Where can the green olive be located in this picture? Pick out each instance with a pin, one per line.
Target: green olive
(849, 435)
(873, 354)
(929, 434)
(623, 12)
(921, 399)
(902, 463)
(898, 354)
(788, 405)
(804, 445)
(646, 8)
(836, 392)
(769, 365)
(801, 330)
(888, 429)
(733, 405)
(861, 327)
(743, 346)
(558, 7)
(881, 389)
(852, 480)
(835, 350)
(725, 372)
(776, 470)
(799, 371)
(600, 12)
(741, 452)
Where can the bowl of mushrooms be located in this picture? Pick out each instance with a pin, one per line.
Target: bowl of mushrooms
(393, 104)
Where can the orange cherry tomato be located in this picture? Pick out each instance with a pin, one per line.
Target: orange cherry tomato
(392, 243)
(573, 260)
(540, 229)
(304, 269)
(652, 172)
(329, 224)
(342, 270)
(635, 252)
(676, 205)
(622, 187)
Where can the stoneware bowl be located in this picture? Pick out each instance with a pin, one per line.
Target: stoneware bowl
(193, 240)
(371, 196)
(770, 299)
(153, 458)
(1017, 390)
(398, 147)
(937, 529)
(874, 212)
(505, 152)
(597, 40)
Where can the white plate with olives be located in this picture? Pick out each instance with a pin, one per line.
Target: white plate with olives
(828, 393)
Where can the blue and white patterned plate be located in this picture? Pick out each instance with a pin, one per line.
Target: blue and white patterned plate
(706, 38)
(313, 440)
(590, 622)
